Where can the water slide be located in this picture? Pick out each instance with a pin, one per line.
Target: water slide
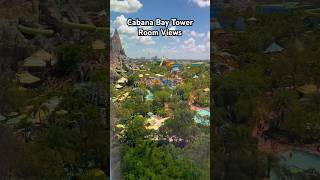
(313, 12)
(66, 24)
(35, 31)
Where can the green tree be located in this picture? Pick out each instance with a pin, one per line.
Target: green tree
(182, 125)
(69, 56)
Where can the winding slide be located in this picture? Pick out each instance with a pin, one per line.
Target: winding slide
(66, 24)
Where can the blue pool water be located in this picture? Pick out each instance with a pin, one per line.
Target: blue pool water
(149, 96)
(202, 117)
(302, 159)
(299, 160)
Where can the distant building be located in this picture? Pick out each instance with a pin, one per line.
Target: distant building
(155, 58)
(167, 63)
(274, 48)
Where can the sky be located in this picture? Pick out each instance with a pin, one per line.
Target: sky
(193, 44)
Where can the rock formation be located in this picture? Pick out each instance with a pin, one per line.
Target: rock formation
(117, 54)
(39, 15)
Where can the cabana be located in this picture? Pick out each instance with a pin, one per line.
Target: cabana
(27, 79)
(122, 80)
(274, 48)
(34, 62)
(43, 55)
(307, 89)
(38, 62)
(252, 19)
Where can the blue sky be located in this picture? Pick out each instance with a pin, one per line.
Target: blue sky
(194, 44)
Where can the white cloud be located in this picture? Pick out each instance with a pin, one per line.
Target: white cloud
(194, 33)
(121, 24)
(129, 33)
(146, 40)
(125, 6)
(189, 42)
(190, 45)
(202, 3)
(169, 52)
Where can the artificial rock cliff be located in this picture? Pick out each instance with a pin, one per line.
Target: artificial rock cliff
(117, 54)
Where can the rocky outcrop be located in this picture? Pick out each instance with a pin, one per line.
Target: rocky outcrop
(27, 25)
(11, 11)
(13, 47)
(50, 14)
(117, 54)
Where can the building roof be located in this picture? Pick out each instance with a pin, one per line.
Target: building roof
(118, 86)
(274, 47)
(26, 78)
(252, 19)
(34, 62)
(155, 122)
(120, 126)
(308, 89)
(122, 80)
(42, 55)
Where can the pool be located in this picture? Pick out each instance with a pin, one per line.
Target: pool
(202, 117)
(300, 160)
(149, 96)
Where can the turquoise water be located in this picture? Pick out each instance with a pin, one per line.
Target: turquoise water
(302, 159)
(202, 117)
(149, 96)
(299, 160)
